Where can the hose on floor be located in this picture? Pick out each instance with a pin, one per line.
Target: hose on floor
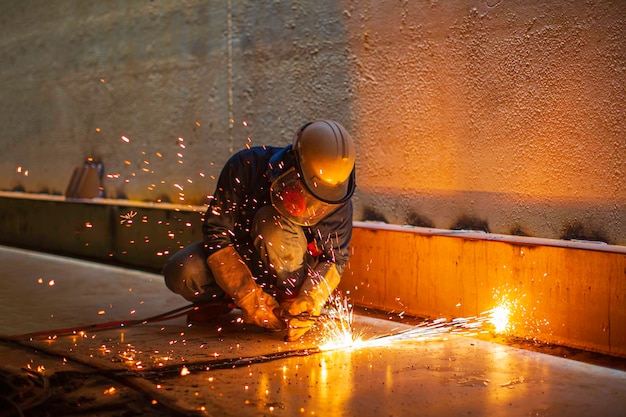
(169, 315)
(21, 390)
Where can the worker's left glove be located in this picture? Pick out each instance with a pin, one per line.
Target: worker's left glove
(312, 297)
(233, 275)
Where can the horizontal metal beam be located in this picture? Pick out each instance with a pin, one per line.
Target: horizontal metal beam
(566, 292)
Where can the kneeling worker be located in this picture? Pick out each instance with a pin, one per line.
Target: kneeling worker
(275, 234)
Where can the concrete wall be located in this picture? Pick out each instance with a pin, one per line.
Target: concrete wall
(506, 116)
(499, 115)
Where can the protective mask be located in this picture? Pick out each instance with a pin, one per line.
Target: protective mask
(294, 201)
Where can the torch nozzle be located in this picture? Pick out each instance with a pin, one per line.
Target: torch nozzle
(283, 314)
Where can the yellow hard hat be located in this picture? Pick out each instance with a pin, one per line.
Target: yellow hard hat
(325, 155)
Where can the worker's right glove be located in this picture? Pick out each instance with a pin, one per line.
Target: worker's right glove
(311, 298)
(234, 277)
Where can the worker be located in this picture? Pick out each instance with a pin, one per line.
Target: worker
(275, 234)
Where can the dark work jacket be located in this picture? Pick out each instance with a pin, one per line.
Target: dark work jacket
(242, 188)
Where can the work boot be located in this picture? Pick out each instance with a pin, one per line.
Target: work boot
(206, 313)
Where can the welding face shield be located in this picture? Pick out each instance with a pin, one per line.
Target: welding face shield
(315, 175)
(292, 199)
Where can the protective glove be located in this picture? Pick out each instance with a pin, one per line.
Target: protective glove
(234, 277)
(311, 299)
(298, 327)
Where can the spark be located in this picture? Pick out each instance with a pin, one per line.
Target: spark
(127, 218)
(337, 326)
(338, 332)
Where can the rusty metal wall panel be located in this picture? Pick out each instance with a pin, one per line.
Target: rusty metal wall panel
(572, 295)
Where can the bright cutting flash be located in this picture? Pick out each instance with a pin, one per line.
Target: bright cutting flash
(337, 329)
(499, 318)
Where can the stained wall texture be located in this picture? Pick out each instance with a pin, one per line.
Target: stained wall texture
(504, 116)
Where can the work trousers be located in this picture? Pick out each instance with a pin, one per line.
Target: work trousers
(279, 262)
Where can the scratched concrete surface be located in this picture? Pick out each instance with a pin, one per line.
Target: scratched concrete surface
(238, 370)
